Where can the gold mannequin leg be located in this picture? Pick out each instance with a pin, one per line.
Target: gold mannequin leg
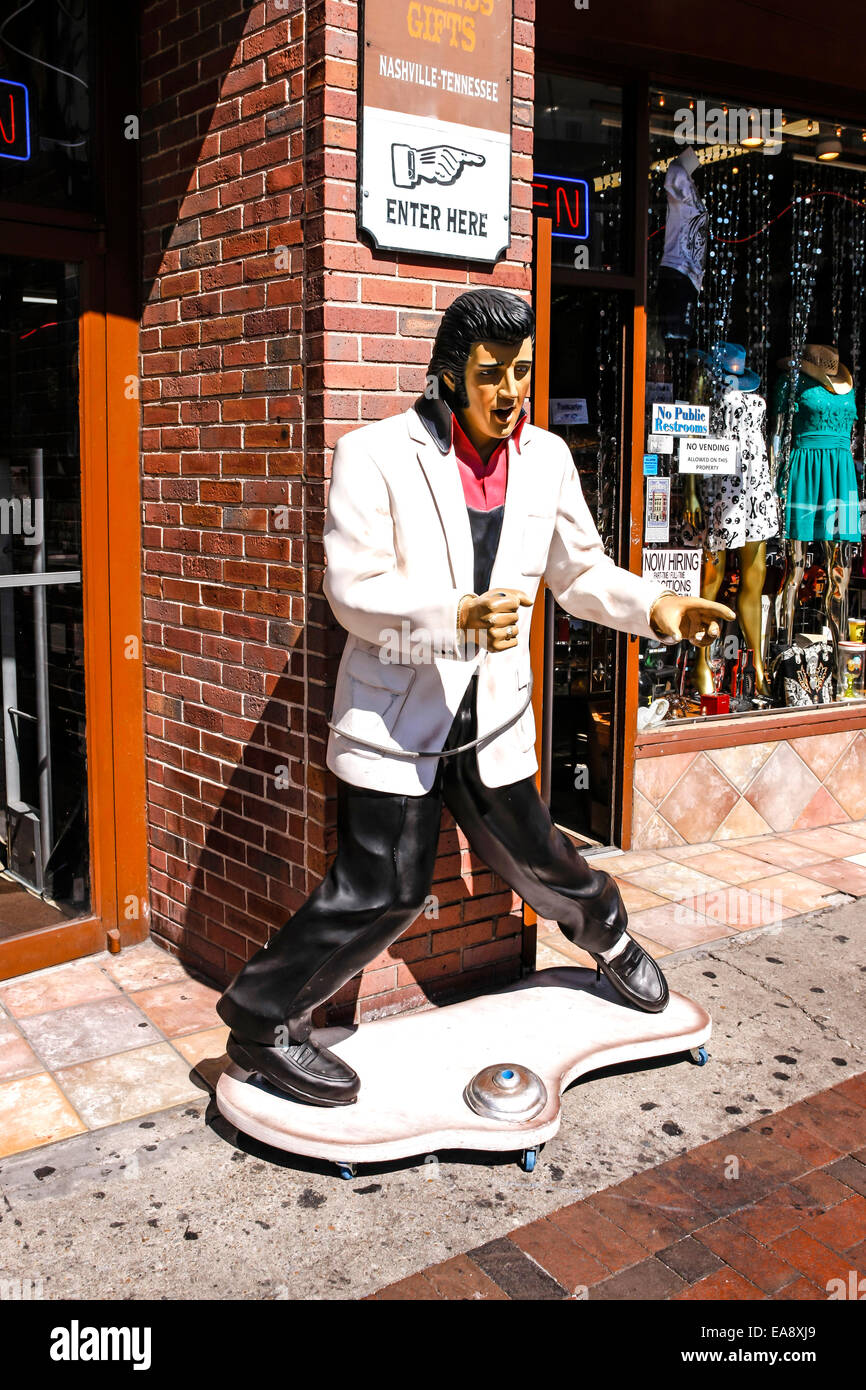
(837, 560)
(753, 569)
(786, 600)
(715, 563)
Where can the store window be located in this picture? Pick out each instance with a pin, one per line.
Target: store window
(753, 460)
(581, 181)
(577, 175)
(46, 104)
(44, 838)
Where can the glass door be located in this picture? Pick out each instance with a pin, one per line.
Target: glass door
(585, 409)
(44, 839)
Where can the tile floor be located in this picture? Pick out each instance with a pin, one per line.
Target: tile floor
(111, 1038)
(101, 1040)
(691, 895)
(795, 1220)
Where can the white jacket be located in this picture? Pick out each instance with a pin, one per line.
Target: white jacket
(400, 558)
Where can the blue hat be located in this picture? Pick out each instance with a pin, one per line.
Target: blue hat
(729, 360)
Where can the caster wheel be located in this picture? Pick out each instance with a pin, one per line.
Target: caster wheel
(527, 1159)
(346, 1170)
(699, 1056)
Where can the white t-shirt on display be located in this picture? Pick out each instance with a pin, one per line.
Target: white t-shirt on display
(686, 226)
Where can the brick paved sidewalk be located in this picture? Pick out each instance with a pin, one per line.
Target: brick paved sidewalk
(793, 1218)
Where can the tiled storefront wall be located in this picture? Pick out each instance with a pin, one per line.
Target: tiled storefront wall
(730, 793)
(268, 331)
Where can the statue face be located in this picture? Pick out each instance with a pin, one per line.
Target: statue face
(497, 382)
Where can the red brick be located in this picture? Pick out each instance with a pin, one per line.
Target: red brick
(725, 1284)
(793, 1136)
(649, 1280)
(414, 1289)
(853, 1089)
(811, 1257)
(782, 1161)
(857, 1255)
(601, 1238)
(461, 1279)
(381, 291)
(657, 1187)
(801, 1289)
(834, 1119)
(709, 1182)
(823, 1189)
(778, 1212)
(843, 1226)
(746, 1255)
(639, 1219)
(569, 1264)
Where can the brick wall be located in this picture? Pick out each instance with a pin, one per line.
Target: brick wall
(268, 330)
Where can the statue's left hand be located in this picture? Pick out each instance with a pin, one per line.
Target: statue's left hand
(698, 620)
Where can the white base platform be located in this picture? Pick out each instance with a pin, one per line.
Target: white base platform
(413, 1069)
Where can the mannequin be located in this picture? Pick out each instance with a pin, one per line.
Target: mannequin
(821, 495)
(410, 736)
(681, 273)
(741, 511)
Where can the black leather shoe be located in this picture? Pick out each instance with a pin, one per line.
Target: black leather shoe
(303, 1070)
(635, 976)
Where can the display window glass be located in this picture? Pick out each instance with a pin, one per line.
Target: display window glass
(586, 351)
(46, 104)
(577, 177)
(753, 451)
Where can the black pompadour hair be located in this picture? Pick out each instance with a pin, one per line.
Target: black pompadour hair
(483, 315)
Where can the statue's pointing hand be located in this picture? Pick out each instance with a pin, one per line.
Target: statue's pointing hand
(697, 620)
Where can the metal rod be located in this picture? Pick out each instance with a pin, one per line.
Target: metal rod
(547, 697)
(40, 643)
(34, 581)
(8, 665)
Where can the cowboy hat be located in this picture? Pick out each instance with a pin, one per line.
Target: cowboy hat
(729, 359)
(822, 363)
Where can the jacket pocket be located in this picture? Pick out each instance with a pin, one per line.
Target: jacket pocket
(537, 535)
(377, 694)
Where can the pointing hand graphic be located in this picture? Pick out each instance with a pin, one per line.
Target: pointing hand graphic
(441, 164)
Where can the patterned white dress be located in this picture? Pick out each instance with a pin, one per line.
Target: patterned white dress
(741, 507)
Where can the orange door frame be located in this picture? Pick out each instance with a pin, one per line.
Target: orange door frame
(631, 491)
(111, 578)
(540, 416)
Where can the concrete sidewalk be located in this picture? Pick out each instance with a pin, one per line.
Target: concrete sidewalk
(173, 1207)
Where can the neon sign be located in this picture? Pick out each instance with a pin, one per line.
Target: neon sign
(566, 200)
(14, 120)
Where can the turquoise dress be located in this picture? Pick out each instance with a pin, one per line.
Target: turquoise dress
(822, 501)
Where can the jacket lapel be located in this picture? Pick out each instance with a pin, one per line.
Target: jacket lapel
(443, 478)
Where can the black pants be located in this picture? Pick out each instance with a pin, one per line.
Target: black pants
(381, 876)
(677, 304)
